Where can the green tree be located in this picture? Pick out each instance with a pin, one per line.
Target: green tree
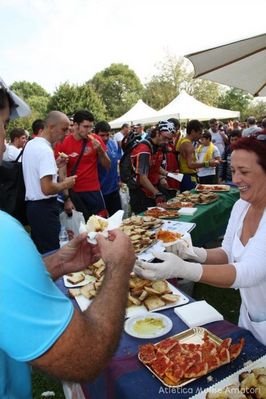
(235, 99)
(69, 98)
(27, 90)
(172, 77)
(256, 109)
(36, 97)
(119, 88)
(167, 83)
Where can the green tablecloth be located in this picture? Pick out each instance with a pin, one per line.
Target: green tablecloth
(211, 220)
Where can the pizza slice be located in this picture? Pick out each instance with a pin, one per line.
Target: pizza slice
(147, 353)
(197, 370)
(174, 373)
(224, 356)
(236, 349)
(166, 345)
(161, 364)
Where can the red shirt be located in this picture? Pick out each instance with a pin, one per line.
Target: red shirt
(171, 165)
(147, 162)
(87, 172)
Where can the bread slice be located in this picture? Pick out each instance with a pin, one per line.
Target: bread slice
(73, 292)
(134, 301)
(153, 302)
(76, 278)
(171, 298)
(88, 291)
(161, 286)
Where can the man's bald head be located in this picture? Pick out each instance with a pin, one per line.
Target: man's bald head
(55, 117)
(56, 125)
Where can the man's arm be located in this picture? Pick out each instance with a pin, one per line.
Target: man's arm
(187, 150)
(91, 338)
(102, 155)
(49, 187)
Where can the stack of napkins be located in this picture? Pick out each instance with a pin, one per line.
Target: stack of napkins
(187, 211)
(198, 313)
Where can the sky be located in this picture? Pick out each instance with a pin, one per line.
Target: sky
(54, 41)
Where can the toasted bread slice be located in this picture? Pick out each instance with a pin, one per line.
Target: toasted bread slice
(152, 291)
(134, 301)
(73, 292)
(171, 298)
(76, 278)
(88, 291)
(153, 302)
(143, 295)
(161, 286)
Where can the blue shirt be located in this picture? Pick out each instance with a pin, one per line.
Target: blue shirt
(33, 311)
(109, 179)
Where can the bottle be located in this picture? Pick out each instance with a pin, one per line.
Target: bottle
(63, 237)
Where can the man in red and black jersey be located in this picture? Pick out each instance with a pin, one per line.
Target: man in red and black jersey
(146, 160)
(86, 193)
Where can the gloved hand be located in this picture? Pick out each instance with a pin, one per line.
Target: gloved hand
(182, 249)
(159, 198)
(172, 266)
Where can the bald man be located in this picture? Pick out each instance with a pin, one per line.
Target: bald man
(40, 172)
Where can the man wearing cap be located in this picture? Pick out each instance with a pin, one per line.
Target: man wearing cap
(146, 158)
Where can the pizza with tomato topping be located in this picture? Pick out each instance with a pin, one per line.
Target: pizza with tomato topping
(175, 362)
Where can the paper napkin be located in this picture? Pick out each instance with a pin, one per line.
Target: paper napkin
(198, 313)
(187, 211)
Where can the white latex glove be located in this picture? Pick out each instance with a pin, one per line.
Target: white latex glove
(172, 266)
(182, 249)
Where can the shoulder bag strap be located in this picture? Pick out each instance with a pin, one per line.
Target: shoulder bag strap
(76, 164)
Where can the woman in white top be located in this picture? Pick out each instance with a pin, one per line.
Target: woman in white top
(241, 261)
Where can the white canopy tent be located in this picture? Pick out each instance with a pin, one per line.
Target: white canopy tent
(139, 113)
(186, 107)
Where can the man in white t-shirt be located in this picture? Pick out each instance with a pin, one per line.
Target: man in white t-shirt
(40, 176)
(219, 138)
(18, 138)
(123, 133)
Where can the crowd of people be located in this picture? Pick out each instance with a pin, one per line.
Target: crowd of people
(77, 161)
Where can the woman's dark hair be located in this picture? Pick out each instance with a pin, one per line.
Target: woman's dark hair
(253, 144)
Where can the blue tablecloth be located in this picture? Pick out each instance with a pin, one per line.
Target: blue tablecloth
(126, 377)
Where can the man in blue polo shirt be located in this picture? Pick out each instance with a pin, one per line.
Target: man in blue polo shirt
(38, 324)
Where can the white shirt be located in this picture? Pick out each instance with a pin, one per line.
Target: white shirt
(249, 130)
(250, 264)
(11, 153)
(211, 170)
(38, 161)
(218, 140)
(118, 136)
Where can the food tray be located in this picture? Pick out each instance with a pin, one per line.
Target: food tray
(231, 379)
(192, 336)
(212, 187)
(131, 311)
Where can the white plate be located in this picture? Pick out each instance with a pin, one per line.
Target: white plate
(88, 279)
(131, 322)
(132, 311)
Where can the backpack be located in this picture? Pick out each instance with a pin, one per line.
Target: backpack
(12, 189)
(127, 173)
